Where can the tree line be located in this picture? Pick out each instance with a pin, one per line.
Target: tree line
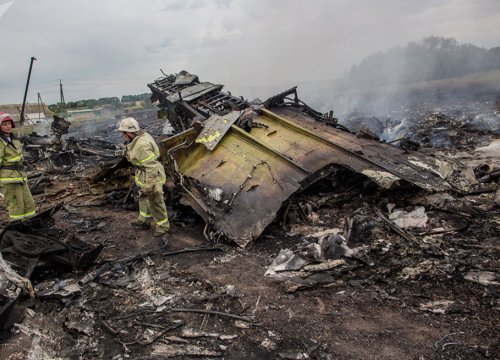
(433, 58)
(106, 101)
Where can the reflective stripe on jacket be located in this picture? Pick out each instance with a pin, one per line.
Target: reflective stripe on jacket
(144, 153)
(11, 154)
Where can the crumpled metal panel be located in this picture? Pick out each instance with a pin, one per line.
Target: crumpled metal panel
(253, 173)
(184, 78)
(215, 127)
(255, 182)
(193, 92)
(314, 145)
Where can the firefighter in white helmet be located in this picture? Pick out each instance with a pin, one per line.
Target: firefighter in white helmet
(13, 179)
(143, 153)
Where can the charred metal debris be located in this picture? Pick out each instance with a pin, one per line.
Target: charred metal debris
(51, 151)
(375, 223)
(237, 164)
(33, 243)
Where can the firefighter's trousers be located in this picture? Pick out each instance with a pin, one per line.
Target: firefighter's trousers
(18, 201)
(152, 205)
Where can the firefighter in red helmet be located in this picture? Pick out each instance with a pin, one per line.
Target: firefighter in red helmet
(13, 179)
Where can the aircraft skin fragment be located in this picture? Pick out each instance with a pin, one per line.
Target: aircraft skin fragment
(254, 158)
(255, 172)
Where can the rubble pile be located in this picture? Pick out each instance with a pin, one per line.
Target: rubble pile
(344, 268)
(457, 124)
(432, 238)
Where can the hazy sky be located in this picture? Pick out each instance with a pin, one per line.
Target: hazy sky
(103, 48)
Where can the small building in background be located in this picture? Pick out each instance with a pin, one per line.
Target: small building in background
(34, 113)
(35, 119)
(83, 114)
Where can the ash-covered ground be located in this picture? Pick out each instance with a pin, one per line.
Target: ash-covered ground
(430, 294)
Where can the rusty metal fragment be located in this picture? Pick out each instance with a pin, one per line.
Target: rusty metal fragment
(237, 180)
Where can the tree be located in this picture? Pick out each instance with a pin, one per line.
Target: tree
(430, 59)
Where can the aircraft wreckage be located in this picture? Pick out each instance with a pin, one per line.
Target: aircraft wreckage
(238, 163)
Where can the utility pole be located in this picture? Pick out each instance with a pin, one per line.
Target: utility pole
(62, 106)
(40, 107)
(26, 90)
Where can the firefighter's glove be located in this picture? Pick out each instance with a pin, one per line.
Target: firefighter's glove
(121, 151)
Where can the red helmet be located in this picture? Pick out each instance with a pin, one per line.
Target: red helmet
(6, 117)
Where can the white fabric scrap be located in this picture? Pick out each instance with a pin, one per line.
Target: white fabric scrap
(416, 218)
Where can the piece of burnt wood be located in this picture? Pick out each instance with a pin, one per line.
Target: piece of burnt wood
(212, 312)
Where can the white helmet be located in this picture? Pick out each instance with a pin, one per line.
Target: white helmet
(129, 125)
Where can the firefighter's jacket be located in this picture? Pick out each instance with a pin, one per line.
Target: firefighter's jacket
(11, 160)
(143, 153)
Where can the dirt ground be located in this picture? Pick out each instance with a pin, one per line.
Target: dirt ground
(405, 300)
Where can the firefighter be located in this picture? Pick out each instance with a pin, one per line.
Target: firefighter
(13, 180)
(143, 153)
